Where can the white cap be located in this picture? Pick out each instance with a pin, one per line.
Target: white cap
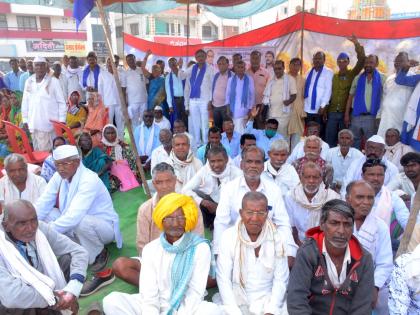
(376, 139)
(40, 59)
(158, 108)
(64, 151)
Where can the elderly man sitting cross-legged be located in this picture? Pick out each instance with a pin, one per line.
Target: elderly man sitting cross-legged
(175, 266)
(32, 281)
(164, 180)
(252, 269)
(19, 183)
(85, 211)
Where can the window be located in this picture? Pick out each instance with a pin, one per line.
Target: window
(3, 21)
(186, 30)
(134, 29)
(285, 10)
(98, 34)
(206, 30)
(65, 20)
(26, 23)
(119, 31)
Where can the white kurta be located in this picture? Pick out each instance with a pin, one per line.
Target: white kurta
(159, 155)
(205, 182)
(107, 88)
(41, 102)
(231, 201)
(286, 177)
(155, 285)
(395, 153)
(265, 289)
(184, 173)
(394, 104)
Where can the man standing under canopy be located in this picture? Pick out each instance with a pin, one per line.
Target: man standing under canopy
(174, 269)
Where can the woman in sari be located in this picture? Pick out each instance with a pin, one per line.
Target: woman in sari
(94, 158)
(97, 116)
(156, 93)
(4, 115)
(124, 160)
(15, 115)
(76, 114)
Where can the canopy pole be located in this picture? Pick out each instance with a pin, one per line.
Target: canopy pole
(302, 31)
(127, 121)
(412, 219)
(188, 30)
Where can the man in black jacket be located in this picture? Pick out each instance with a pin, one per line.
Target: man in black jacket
(332, 273)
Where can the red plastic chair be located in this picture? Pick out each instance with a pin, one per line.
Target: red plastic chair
(63, 131)
(34, 157)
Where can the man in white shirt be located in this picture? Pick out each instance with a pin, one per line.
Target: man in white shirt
(174, 267)
(231, 138)
(304, 202)
(279, 94)
(374, 236)
(388, 205)
(146, 136)
(74, 75)
(283, 174)
(252, 270)
(375, 149)
(341, 157)
(318, 88)
(161, 153)
(61, 77)
(107, 88)
(174, 88)
(42, 100)
(19, 183)
(197, 92)
(89, 79)
(232, 193)
(161, 120)
(180, 127)
(204, 187)
(133, 83)
(312, 129)
(85, 209)
(181, 158)
(395, 149)
(410, 179)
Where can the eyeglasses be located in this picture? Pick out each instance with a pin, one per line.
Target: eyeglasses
(172, 220)
(259, 214)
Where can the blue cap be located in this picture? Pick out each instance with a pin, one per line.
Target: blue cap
(343, 55)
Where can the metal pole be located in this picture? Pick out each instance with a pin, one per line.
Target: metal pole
(302, 31)
(127, 121)
(188, 30)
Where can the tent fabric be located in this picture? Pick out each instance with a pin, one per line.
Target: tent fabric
(228, 9)
(314, 23)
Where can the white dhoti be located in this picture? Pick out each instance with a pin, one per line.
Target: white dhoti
(135, 112)
(114, 112)
(42, 140)
(91, 233)
(130, 304)
(240, 124)
(198, 120)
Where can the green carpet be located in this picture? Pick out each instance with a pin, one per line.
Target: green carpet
(126, 205)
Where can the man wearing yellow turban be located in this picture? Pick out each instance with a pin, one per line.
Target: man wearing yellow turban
(174, 268)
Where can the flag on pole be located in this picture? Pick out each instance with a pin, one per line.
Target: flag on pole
(81, 8)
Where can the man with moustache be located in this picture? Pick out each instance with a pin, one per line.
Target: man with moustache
(304, 202)
(373, 235)
(332, 274)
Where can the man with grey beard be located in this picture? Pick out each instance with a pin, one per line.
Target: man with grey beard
(304, 202)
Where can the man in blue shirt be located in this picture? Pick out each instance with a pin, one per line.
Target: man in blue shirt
(230, 138)
(266, 136)
(11, 79)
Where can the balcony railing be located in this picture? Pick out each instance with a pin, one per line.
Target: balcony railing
(32, 33)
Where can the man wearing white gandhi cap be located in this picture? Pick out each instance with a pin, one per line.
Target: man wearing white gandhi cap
(375, 149)
(42, 100)
(85, 210)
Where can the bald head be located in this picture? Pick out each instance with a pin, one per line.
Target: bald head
(20, 220)
(360, 195)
